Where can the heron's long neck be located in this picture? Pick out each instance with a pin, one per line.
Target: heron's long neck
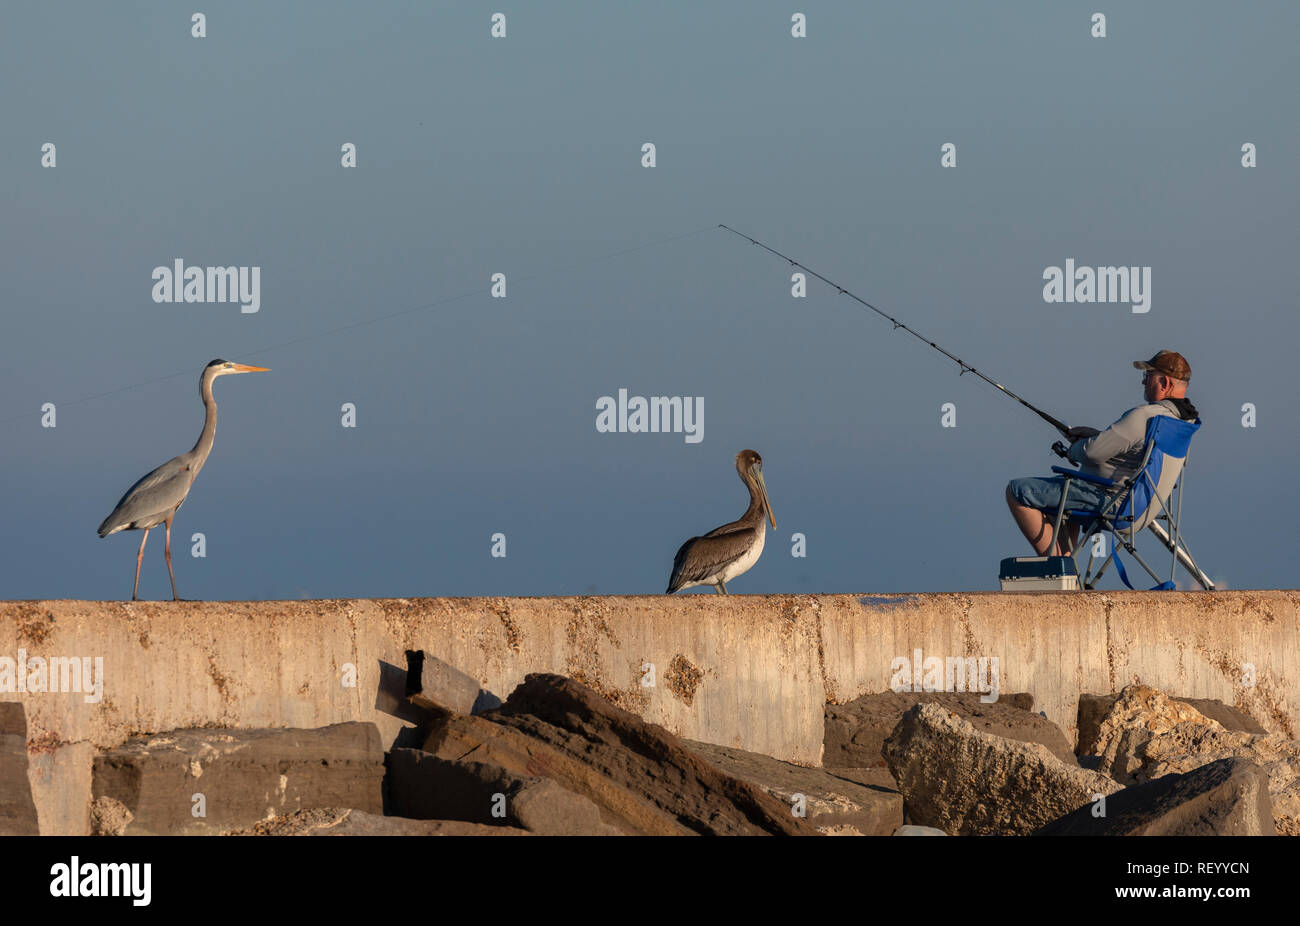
(204, 445)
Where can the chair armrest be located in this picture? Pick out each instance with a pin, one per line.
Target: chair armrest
(1075, 474)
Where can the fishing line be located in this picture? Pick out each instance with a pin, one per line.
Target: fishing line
(549, 271)
(965, 367)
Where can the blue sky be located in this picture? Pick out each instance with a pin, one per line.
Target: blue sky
(522, 155)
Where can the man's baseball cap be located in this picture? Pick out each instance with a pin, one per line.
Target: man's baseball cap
(1170, 363)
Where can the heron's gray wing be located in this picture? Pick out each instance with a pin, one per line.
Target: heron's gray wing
(153, 495)
(701, 557)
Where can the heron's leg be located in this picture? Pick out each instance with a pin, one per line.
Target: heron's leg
(721, 587)
(175, 597)
(139, 557)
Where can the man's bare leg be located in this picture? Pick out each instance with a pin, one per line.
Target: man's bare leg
(1034, 524)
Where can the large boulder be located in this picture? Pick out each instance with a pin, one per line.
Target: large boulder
(360, 823)
(343, 821)
(209, 781)
(1228, 797)
(459, 736)
(1147, 735)
(1187, 747)
(1094, 708)
(835, 805)
(641, 776)
(967, 782)
(425, 787)
(1137, 715)
(438, 686)
(856, 731)
(17, 809)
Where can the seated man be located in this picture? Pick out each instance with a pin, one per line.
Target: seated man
(1114, 453)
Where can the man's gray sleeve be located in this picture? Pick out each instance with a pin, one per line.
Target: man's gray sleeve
(1118, 439)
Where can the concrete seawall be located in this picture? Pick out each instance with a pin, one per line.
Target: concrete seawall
(747, 671)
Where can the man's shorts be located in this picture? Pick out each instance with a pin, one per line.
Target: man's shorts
(1044, 492)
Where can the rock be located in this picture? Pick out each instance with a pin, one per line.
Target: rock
(359, 823)
(1189, 746)
(643, 758)
(242, 776)
(458, 736)
(541, 806)
(967, 782)
(1228, 797)
(109, 817)
(1137, 715)
(1092, 711)
(1230, 718)
(17, 809)
(913, 830)
(336, 821)
(640, 775)
(877, 778)
(856, 731)
(834, 804)
(1147, 735)
(422, 786)
(435, 685)
(60, 774)
(1094, 708)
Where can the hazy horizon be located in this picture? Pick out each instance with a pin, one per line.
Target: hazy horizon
(522, 155)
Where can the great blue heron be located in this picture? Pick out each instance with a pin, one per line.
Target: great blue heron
(157, 497)
(726, 552)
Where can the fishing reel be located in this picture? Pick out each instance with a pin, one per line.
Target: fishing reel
(1061, 450)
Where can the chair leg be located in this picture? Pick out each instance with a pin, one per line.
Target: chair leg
(1182, 554)
(1151, 572)
(1086, 530)
(1104, 566)
(1060, 516)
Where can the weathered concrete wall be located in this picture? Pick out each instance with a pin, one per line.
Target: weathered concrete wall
(747, 671)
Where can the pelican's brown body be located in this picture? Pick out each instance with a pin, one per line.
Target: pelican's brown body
(728, 551)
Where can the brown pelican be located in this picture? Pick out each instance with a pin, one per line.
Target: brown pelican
(727, 551)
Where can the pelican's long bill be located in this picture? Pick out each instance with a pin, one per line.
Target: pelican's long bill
(757, 470)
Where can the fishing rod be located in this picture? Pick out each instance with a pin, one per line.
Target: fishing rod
(965, 367)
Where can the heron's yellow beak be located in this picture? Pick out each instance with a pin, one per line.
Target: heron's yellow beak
(245, 368)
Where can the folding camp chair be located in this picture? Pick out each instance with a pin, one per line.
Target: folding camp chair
(1152, 495)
